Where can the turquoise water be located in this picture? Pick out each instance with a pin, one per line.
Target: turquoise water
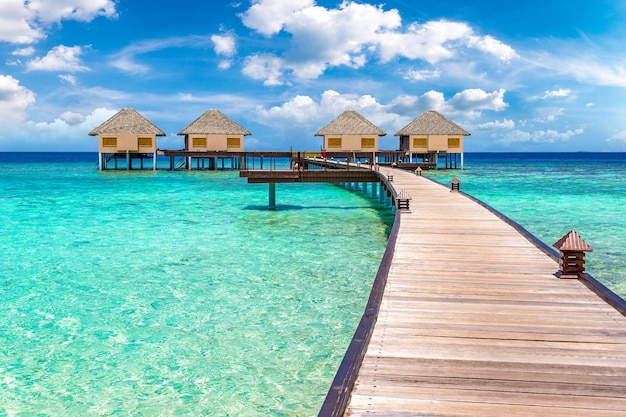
(179, 293)
(160, 293)
(552, 193)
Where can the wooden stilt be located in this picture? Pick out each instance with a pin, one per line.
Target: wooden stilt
(272, 195)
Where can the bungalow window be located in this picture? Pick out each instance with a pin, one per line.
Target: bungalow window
(199, 142)
(233, 142)
(145, 142)
(454, 142)
(109, 142)
(368, 142)
(334, 142)
(420, 142)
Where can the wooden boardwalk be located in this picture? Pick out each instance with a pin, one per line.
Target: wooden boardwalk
(473, 322)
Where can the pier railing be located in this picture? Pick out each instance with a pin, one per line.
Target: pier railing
(339, 393)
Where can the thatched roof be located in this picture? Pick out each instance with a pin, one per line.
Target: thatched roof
(127, 120)
(432, 123)
(214, 122)
(350, 123)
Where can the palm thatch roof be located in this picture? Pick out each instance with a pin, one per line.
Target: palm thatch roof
(214, 122)
(350, 123)
(432, 123)
(129, 121)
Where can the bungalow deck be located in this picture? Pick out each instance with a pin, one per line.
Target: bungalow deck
(467, 318)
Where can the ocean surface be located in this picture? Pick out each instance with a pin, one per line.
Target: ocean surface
(175, 293)
(180, 294)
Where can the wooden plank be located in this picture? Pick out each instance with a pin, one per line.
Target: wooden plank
(473, 322)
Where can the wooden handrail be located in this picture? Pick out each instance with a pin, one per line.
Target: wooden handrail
(340, 390)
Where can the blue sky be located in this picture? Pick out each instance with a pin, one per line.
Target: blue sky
(523, 76)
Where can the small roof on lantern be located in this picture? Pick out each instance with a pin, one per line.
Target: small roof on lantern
(572, 242)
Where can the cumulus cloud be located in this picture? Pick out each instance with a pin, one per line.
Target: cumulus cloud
(67, 132)
(473, 100)
(539, 136)
(28, 51)
(80, 10)
(493, 47)
(72, 118)
(224, 45)
(265, 67)
(26, 22)
(306, 111)
(16, 23)
(468, 103)
(14, 99)
(269, 16)
(59, 58)
(320, 38)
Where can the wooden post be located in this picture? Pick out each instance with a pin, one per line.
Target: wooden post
(572, 248)
(272, 195)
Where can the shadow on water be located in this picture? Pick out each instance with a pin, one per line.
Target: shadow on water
(285, 207)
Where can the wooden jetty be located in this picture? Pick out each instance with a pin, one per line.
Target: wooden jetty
(467, 318)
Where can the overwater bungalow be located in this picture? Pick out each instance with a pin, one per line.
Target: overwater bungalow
(211, 138)
(432, 136)
(214, 132)
(350, 132)
(127, 135)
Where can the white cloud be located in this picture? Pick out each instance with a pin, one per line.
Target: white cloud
(538, 137)
(473, 100)
(72, 118)
(561, 92)
(554, 114)
(584, 67)
(26, 22)
(59, 58)
(70, 79)
(432, 41)
(305, 111)
(67, 132)
(125, 59)
(14, 99)
(80, 10)
(265, 67)
(421, 75)
(269, 16)
(28, 51)
(493, 46)
(353, 34)
(505, 124)
(224, 45)
(15, 23)
(618, 137)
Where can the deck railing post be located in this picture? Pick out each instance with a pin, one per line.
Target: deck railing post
(455, 184)
(572, 248)
(402, 201)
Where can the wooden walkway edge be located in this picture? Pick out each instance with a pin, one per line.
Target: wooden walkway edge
(466, 318)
